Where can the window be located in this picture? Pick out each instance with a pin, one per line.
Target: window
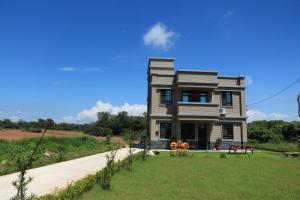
(226, 98)
(227, 130)
(166, 96)
(201, 97)
(165, 130)
(187, 131)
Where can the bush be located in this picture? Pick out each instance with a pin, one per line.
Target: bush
(98, 131)
(179, 153)
(34, 130)
(223, 155)
(106, 131)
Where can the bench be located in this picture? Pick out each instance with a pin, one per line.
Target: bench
(236, 147)
(295, 154)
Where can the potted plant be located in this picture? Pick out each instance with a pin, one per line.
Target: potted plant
(218, 144)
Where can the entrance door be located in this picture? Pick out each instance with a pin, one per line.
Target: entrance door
(202, 136)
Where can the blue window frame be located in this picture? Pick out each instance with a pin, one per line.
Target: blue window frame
(201, 97)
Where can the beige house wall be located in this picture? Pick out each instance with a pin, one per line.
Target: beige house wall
(196, 78)
(161, 75)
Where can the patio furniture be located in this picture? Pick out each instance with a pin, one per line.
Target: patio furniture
(236, 147)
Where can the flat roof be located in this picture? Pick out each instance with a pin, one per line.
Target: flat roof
(196, 71)
(231, 77)
(161, 58)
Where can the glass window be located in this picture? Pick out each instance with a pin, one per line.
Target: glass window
(165, 130)
(201, 97)
(187, 131)
(227, 130)
(226, 98)
(166, 96)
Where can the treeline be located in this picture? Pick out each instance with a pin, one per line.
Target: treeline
(107, 124)
(36, 126)
(274, 131)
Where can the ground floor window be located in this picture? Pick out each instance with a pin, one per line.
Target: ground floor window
(187, 131)
(165, 130)
(227, 131)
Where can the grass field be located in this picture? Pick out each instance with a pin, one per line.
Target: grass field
(277, 146)
(52, 150)
(16, 134)
(264, 175)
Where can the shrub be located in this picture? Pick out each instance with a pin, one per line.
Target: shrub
(106, 131)
(179, 152)
(172, 153)
(98, 131)
(218, 141)
(223, 155)
(34, 130)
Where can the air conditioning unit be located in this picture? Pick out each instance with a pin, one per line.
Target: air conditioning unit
(222, 111)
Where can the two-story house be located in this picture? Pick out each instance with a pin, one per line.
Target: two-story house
(196, 106)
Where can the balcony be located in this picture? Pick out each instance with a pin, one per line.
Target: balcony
(196, 110)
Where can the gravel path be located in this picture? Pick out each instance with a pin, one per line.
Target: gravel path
(48, 178)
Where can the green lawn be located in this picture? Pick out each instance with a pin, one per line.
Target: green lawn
(58, 149)
(276, 146)
(264, 175)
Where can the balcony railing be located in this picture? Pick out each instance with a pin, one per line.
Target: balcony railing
(197, 109)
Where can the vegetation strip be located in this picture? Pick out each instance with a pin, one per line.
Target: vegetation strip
(52, 150)
(75, 190)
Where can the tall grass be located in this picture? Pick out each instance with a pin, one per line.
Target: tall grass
(52, 150)
(282, 147)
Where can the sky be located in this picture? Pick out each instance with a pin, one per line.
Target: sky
(68, 60)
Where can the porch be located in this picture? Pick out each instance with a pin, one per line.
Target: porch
(195, 133)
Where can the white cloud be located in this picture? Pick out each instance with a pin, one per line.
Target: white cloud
(159, 37)
(5, 115)
(248, 80)
(68, 69)
(74, 69)
(91, 114)
(254, 115)
(279, 116)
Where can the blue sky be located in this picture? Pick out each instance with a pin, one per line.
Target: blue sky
(69, 59)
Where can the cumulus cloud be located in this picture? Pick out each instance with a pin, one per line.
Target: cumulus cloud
(159, 37)
(254, 115)
(248, 80)
(5, 115)
(90, 114)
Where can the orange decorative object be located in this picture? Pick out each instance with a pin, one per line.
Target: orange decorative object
(173, 145)
(179, 145)
(185, 145)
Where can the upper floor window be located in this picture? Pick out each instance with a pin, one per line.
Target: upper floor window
(165, 130)
(201, 97)
(226, 99)
(166, 96)
(227, 131)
